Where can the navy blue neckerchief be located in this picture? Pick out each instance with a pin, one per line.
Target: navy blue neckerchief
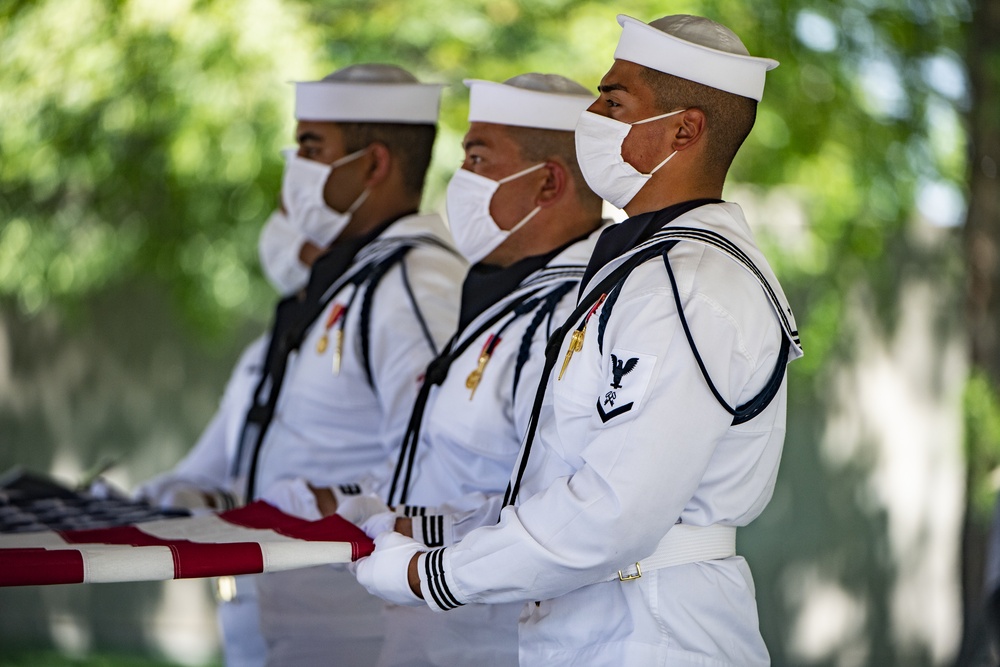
(486, 284)
(618, 239)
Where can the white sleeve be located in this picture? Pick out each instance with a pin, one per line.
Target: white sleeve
(206, 466)
(202, 469)
(634, 474)
(449, 523)
(399, 345)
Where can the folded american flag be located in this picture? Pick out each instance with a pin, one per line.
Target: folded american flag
(249, 540)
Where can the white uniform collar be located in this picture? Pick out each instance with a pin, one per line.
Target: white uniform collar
(728, 220)
(418, 223)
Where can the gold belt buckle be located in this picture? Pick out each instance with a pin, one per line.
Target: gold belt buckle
(630, 577)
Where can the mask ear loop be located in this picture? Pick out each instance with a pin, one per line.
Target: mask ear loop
(650, 120)
(666, 160)
(521, 173)
(339, 162)
(364, 197)
(662, 115)
(535, 211)
(350, 157)
(524, 220)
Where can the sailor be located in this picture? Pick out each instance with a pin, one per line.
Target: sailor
(520, 210)
(658, 424)
(346, 354)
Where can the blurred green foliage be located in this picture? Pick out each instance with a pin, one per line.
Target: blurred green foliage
(140, 139)
(28, 658)
(982, 439)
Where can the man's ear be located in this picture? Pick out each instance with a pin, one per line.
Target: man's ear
(555, 183)
(380, 165)
(690, 129)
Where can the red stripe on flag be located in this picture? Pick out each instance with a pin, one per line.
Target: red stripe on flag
(333, 528)
(128, 535)
(36, 567)
(211, 560)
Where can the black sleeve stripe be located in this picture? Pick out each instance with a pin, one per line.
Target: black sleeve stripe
(431, 583)
(433, 531)
(350, 489)
(434, 568)
(414, 510)
(228, 500)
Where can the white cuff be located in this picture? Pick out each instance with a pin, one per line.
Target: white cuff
(434, 530)
(343, 492)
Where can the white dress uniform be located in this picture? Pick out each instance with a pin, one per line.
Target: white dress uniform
(467, 444)
(329, 428)
(332, 427)
(633, 448)
(207, 466)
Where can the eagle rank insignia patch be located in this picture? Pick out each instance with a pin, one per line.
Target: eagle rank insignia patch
(627, 377)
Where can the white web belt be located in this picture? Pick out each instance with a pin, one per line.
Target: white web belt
(684, 544)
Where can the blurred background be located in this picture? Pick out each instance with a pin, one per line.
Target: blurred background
(139, 156)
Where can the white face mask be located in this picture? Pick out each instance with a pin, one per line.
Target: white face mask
(474, 230)
(599, 142)
(302, 193)
(279, 245)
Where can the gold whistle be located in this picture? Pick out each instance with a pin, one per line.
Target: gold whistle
(476, 375)
(337, 351)
(324, 342)
(576, 342)
(575, 345)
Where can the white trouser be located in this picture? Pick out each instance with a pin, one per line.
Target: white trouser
(696, 615)
(242, 643)
(477, 634)
(319, 616)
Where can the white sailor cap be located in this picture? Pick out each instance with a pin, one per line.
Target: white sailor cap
(696, 49)
(370, 93)
(543, 101)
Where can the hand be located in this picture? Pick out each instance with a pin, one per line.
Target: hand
(358, 509)
(103, 489)
(177, 494)
(383, 522)
(326, 501)
(294, 497)
(386, 573)
(188, 497)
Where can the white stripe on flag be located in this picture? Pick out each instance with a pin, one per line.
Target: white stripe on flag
(210, 529)
(103, 564)
(279, 556)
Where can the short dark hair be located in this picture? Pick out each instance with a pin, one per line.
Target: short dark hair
(411, 144)
(730, 117)
(538, 145)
